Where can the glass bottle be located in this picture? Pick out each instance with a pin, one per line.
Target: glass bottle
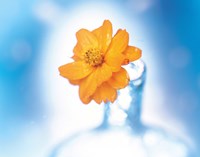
(121, 133)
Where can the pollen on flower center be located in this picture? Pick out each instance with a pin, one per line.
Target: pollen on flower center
(94, 57)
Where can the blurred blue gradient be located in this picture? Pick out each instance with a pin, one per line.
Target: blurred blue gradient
(169, 37)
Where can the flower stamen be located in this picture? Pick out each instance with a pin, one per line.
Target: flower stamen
(93, 57)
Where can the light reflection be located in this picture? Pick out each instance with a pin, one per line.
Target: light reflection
(140, 6)
(21, 51)
(161, 145)
(46, 12)
(179, 57)
(124, 99)
(119, 143)
(117, 116)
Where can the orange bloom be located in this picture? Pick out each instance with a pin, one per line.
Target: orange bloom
(98, 59)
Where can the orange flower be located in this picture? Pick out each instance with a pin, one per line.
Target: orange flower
(98, 58)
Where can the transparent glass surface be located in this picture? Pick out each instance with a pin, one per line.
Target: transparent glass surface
(121, 133)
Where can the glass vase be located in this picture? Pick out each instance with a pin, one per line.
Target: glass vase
(121, 133)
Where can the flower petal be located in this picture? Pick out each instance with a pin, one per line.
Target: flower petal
(76, 58)
(86, 40)
(119, 79)
(75, 70)
(87, 88)
(102, 74)
(74, 82)
(105, 93)
(114, 56)
(119, 42)
(95, 79)
(86, 100)
(78, 52)
(104, 35)
(97, 96)
(115, 61)
(131, 54)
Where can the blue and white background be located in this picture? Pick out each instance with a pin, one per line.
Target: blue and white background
(38, 108)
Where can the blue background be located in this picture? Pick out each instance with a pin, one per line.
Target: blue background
(171, 29)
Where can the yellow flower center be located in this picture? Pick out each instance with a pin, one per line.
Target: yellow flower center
(93, 57)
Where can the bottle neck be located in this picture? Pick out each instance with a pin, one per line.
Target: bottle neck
(126, 110)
